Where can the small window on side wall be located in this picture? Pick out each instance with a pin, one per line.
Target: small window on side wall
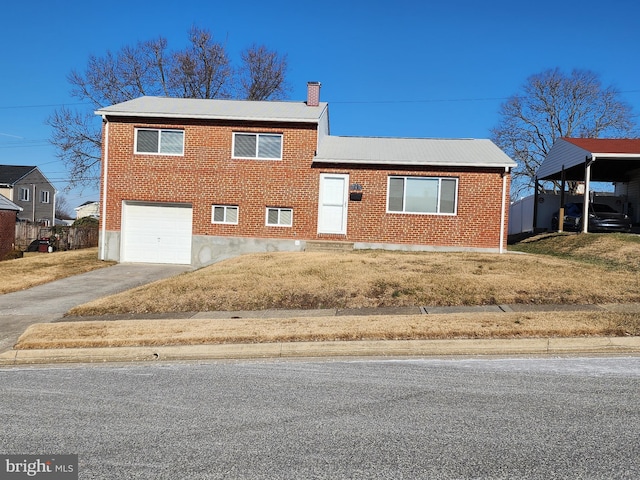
(159, 141)
(45, 196)
(279, 217)
(224, 214)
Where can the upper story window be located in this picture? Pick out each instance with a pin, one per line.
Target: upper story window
(24, 194)
(267, 146)
(159, 141)
(45, 196)
(423, 195)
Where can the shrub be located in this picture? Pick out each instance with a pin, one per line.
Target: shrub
(13, 254)
(86, 222)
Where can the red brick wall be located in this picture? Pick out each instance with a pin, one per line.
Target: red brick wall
(7, 231)
(207, 175)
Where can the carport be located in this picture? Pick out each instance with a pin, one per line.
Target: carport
(594, 160)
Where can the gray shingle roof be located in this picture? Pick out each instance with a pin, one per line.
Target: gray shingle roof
(10, 174)
(412, 151)
(164, 107)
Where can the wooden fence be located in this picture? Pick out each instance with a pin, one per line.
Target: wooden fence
(63, 238)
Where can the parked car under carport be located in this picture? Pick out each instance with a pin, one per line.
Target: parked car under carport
(602, 218)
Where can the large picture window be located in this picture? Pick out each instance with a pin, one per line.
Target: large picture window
(266, 146)
(158, 141)
(423, 195)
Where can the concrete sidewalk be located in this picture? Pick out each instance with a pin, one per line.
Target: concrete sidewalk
(388, 348)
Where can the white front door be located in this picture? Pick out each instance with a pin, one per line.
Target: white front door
(332, 210)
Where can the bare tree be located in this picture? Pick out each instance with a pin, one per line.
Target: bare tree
(62, 208)
(262, 74)
(553, 105)
(201, 70)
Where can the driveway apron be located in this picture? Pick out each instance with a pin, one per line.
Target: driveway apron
(49, 302)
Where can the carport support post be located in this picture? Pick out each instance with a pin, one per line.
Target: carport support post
(561, 209)
(535, 203)
(587, 179)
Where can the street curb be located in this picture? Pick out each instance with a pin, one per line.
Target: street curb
(385, 348)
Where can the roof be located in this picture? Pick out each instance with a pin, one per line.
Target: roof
(412, 151)
(195, 108)
(614, 158)
(10, 174)
(604, 146)
(6, 204)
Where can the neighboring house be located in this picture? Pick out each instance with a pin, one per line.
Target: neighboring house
(28, 188)
(195, 181)
(588, 160)
(8, 215)
(88, 209)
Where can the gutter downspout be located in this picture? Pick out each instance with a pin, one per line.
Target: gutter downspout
(503, 210)
(105, 170)
(585, 203)
(33, 203)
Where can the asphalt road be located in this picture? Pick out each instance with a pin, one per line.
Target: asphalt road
(433, 418)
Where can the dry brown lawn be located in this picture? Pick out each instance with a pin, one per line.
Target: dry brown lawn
(39, 268)
(122, 333)
(578, 269)
(380, 278)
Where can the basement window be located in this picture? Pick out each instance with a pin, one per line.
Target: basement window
(279, 217)
(261, 146)
(158, 141)
(224, 214)
(422, 195)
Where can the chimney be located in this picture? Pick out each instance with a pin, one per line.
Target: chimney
(313, 94)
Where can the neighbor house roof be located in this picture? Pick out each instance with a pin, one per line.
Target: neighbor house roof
(614, 158)
(10, 174)
(412, 151)
(6, 204)
(194, 108)
(606, 146)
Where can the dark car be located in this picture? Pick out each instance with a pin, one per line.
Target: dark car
(602, 218)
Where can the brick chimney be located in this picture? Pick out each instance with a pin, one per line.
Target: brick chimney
(313, 94)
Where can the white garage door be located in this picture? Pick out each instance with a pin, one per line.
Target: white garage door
(157, 233)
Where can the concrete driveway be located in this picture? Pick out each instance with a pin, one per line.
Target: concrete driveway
(49, 302)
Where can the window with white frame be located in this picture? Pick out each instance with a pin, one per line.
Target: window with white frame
(435, 195)
(264, 146)
(224, 214)
(159, 141)
(44, 196)
(24, 194)
(281, 217)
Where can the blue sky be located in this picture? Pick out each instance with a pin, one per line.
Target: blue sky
(403, 68)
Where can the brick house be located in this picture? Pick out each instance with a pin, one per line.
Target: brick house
(8, 215)
(28, 188)
(195, 181)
